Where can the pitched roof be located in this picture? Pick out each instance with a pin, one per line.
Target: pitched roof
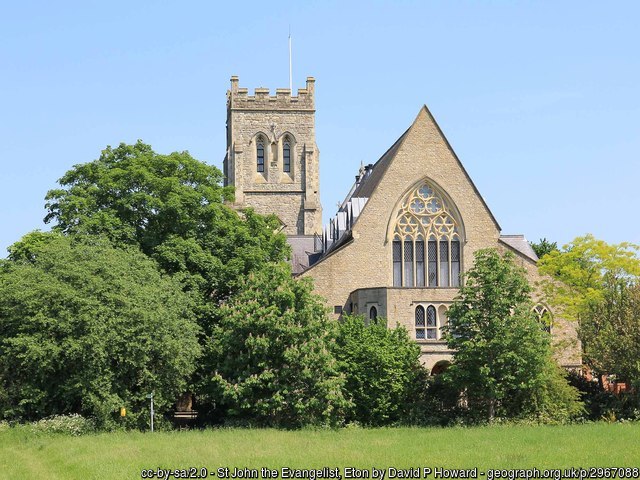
(520, 244)
(371, 181)
(464, 170)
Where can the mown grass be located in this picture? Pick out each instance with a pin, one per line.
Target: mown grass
(124, 455)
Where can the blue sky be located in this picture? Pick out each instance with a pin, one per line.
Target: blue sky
(540, 100)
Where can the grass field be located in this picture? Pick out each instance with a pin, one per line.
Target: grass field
(123, 455)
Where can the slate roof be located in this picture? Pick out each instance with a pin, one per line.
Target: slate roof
(301, 247)
(371, 181)
(520, 244)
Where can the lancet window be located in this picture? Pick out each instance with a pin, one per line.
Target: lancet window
(428, 322)
(260, 153)
(286, 155)
(426, 246)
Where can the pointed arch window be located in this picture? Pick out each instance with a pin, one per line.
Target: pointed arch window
(544, 317)
(426, 240)
(260, 154)
(426, 323)
(420, 323)
(286, 155)
(373, 313)
(432, 323)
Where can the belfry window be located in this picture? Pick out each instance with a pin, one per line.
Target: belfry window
(260, 154)
(286, 155)
(426, 246)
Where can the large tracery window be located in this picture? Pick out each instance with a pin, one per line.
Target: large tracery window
(425, 215)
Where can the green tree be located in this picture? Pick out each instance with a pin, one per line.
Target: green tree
(173, 208)
(544, 247)
(384, 378)
(578, 273)
(596, 284)
(503, 361)
(271, 349)
(88, 328)
(610, 331)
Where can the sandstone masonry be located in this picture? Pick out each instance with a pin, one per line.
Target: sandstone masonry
(279, 131)
(391, 249)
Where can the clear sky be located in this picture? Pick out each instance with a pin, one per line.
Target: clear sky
(540, 100)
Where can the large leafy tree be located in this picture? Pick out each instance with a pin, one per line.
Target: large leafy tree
(503, 360)
(88, 328)
(173, 208)
(384, 378)
(579, 272)
(596, 284)
(271, 348)
(610, 331)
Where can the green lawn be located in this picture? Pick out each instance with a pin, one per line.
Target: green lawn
(124, 455)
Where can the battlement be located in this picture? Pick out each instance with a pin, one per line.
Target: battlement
(239, 98)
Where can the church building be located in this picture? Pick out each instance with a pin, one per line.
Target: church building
(402, 237)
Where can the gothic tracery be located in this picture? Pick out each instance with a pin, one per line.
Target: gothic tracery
(425, 217)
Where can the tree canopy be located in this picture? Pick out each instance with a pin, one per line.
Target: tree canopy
(271, 351)
(578, 273)
(172, 207)
(384, 378)
(502, 357)
(88, 328)
(598, 285)
(543, 247)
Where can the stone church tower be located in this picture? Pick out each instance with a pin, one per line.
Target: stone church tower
(272, 159)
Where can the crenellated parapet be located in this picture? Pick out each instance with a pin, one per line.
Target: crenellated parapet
(239, 98)
(272, 158)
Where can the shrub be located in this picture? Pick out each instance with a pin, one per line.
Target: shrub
(73, 424)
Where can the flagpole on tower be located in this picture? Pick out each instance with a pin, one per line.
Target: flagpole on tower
(290, 68)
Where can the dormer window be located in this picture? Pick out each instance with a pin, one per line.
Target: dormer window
(260, 154)
(286, 155)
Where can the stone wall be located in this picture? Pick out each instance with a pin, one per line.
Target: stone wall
(293, 196)
(359, 273)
